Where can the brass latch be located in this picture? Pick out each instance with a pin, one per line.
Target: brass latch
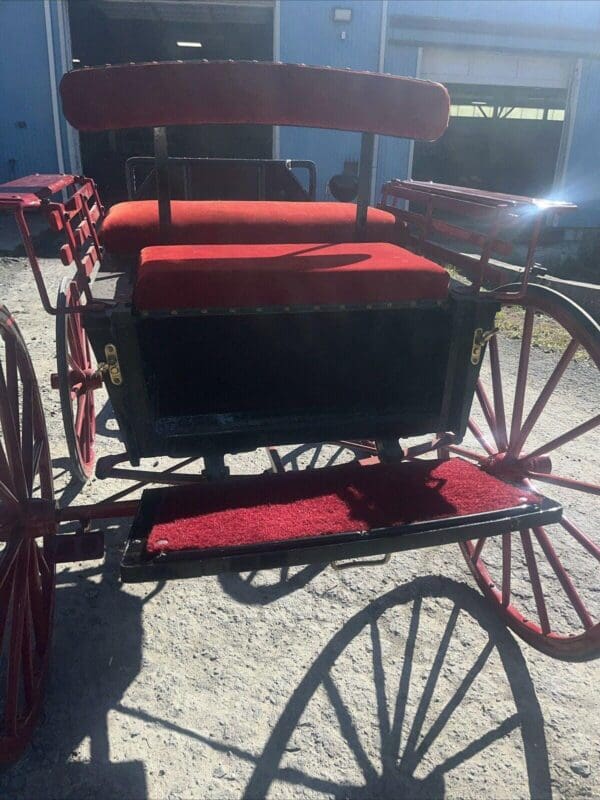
(480, 339)
(112, 364)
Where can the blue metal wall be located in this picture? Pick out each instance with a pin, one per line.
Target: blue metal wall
(26, 129)
(27, 133)
(309, 36)
(394, 154)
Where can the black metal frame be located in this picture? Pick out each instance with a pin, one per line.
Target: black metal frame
(161, 160)
(138, 565)
(261, 165)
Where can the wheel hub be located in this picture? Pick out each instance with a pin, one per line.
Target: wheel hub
(87, 380)
(507, 467)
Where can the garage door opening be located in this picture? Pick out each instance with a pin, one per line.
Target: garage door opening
(500, 138)
(123, 31)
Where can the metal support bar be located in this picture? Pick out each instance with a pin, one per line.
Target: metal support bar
(365, 174)
(161, 158)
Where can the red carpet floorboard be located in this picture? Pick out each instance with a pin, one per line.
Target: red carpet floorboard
(296, 505)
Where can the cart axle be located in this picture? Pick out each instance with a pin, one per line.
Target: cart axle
(82, 380)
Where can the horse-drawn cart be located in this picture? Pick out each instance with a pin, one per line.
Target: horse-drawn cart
(219, 327)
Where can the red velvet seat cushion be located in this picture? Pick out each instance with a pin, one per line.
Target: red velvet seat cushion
(318, 502)
(131, 226)
(245, 276)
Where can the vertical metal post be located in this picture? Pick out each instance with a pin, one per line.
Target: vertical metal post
(365, 174)
(161, 160)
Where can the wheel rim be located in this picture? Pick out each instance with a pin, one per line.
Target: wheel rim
(77, 382)
(542, 581)
(27, 579)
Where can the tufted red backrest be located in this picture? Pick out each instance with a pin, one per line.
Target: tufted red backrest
(229, 92)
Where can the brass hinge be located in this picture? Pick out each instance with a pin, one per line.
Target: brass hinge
(112, 365)
(480, 339)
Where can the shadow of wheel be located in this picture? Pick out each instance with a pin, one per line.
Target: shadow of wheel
(429, 723)
(254, 588)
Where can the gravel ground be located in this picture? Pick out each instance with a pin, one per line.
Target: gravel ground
(391, 682)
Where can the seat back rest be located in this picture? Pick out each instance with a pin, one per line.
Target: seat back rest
(232, 92)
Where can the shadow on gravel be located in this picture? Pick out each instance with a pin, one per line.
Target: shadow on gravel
(405, 766)
(97, 653)
(279, 583)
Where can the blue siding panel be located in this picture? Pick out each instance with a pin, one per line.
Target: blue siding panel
(309, 36)
(26, 126)
(394, 154)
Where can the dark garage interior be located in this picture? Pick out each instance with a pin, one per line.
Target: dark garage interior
(123, 31)
(500, 138)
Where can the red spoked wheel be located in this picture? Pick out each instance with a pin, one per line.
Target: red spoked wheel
(535, 422)
(27, 524)
(77, 380)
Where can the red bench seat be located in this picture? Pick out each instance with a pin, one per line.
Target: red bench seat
(249, 276)
(131, 226)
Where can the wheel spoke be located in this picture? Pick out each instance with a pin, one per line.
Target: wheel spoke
(536, 585)
(567, 483)
(578, 430)
(563, 577)
(478, 549)
(27, 435)
(26, 649)
(523, 369)
(81, 415)
(407, 760)
(5, 473)
(579, 536)
(11, 438)
(11, 704)
(12, 378)
(463, 451)
(545, 395)
(46, 571)
(446, 713)
(38, 610)
(72, 363)
(6, 588)
(74, 340)
(488, 412)
(38, 449)
(498, 393)
(380, 687)
(477, 433)
(348, 729)
(84, 442)
(7, 495)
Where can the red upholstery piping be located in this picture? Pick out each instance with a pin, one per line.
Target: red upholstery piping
(222, 276)
(131, 226)
(198, 92)
(319, 502)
